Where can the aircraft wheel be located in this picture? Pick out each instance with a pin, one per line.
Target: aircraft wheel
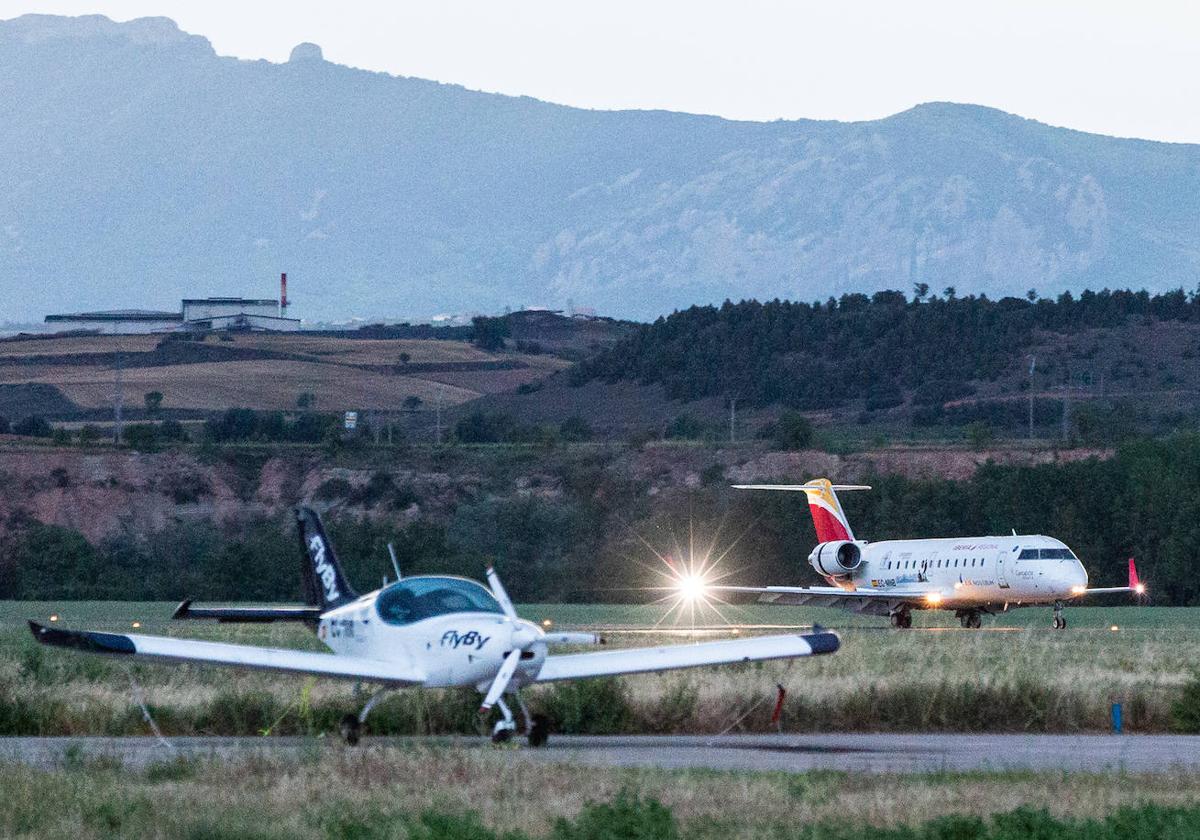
(1060, 623)
(976, 621)
(906, 620)
(502, 736)
(350, 729)
(539, 733)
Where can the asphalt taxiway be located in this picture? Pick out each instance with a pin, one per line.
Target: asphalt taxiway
(869, 753)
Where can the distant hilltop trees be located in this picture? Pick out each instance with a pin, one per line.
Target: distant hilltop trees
(884, 348)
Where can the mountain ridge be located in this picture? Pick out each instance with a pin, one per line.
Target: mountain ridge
(139, 157)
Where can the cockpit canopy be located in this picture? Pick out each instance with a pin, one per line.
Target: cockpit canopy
(1047, 554)
(417, 598)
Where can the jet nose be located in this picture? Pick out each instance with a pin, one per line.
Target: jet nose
(1076, 578)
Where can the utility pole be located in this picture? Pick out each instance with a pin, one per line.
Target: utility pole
(1032, 366)
(437, 435)
(118, 398)
(1066, 411)
(732, 418)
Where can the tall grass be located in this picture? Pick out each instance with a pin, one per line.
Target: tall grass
(484, 794)
(1018, 679)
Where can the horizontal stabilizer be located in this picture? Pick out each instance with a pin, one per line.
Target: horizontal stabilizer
(800, 488)
(248, 615)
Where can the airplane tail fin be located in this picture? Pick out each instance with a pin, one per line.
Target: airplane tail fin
(1134, 583)
(325, 583)
(828, 516)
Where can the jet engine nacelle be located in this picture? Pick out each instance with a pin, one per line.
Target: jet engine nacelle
(839, 559)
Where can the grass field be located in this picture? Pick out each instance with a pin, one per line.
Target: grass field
(329, 368)
(1015, 675)
(443, 793)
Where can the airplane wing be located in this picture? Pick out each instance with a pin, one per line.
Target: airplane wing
(639, 660)
(166, 649)
(869, 601)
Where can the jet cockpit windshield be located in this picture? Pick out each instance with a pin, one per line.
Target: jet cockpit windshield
(417, 598)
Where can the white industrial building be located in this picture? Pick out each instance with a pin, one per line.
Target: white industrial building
(196, 314)
(119, 321)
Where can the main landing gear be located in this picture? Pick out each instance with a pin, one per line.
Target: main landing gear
(350, 727)
(901, 619)
(970, 619)
(537, 727)
(1060, 621)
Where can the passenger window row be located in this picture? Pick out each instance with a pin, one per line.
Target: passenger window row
(943, 563)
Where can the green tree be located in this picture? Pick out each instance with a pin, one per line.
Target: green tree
(153, 401)
(489, 333)
(793, 431)
(412, 403)
(575, 429)
(306, 401)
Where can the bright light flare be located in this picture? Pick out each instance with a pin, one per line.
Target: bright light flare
(136, 625)
(1078, 590)
(1140, 589)
(1114, 628)
(933, 598)
(54, 617)
(692, 587)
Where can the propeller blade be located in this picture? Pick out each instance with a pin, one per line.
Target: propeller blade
(507, 669)
(572, 639)
(493, 580)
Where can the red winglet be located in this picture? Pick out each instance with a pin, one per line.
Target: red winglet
(1133, 576)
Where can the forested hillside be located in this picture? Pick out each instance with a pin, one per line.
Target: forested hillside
(568, 524)
(888, 350)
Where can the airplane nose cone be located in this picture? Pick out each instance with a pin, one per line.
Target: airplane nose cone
(1077, 578)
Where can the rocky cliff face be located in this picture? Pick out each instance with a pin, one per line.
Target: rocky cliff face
(103, 494)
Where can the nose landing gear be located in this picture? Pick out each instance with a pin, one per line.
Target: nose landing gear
(970, 619)
(1060, 621)
(536, 727)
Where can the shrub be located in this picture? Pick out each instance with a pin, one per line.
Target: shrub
(89, 434)
(32, 426)
(793, 431)
(589, 707)
(333, 490)
(628, 817)
(575, 429)
(478, 427)
(979, 434)
(684, 427)
(1185, 711)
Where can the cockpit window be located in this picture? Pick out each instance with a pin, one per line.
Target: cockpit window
(1029, 554)
(1057, 554)
(416, 599)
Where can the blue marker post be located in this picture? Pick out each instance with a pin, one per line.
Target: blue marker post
(1116, 718)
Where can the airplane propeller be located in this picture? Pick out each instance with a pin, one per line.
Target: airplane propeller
(523, 638)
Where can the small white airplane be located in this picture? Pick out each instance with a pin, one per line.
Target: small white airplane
(970, 575)
(423, 632)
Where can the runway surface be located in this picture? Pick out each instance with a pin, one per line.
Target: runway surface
(789, 753)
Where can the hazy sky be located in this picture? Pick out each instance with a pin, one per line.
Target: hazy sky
(1123, 68)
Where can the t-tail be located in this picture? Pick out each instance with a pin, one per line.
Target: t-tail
(325, 583)
(828, 516)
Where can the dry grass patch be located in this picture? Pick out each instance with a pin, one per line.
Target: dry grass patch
(510, 791)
